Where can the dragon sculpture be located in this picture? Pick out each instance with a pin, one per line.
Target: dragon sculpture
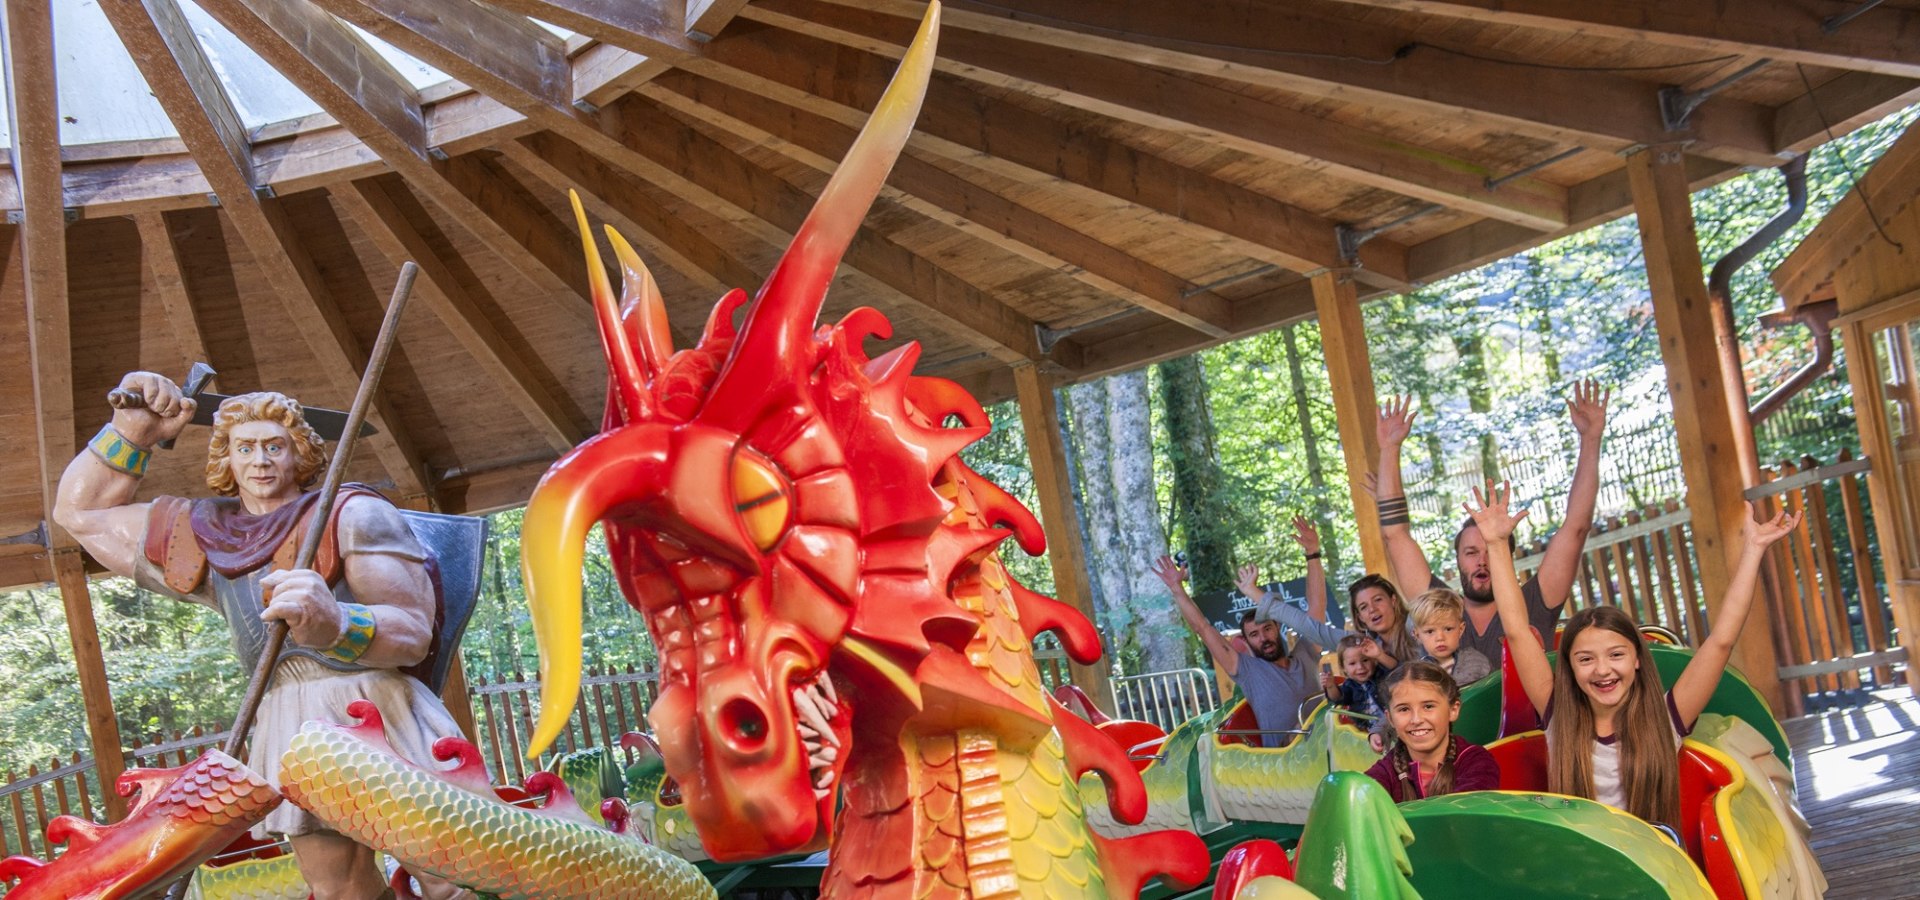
(842, 653)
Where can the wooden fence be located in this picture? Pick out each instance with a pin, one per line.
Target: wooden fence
(28, 802)
(611, 704)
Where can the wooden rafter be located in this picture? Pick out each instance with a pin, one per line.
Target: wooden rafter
(705, 18)
(159, 26)
(166, 279)
(475, 43)
(26, 27)
(1268, 229)
(1169, 101)
(1009, 223)
(381, 208)
(648, 27)
(285, 34)
(270, 239)
(1885, 39)
(1318, 56)
(885, 253)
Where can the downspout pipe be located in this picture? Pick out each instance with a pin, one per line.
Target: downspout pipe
(1720, 285)
(1818, 317)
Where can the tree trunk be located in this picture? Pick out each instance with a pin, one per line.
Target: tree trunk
(1106, 548)
(1130, 433)
(1204, 518)
(1473, 366)
(1437, 479)
(1310, 442)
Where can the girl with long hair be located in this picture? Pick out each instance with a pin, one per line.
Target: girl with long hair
(1427, 759)
(1613, 730)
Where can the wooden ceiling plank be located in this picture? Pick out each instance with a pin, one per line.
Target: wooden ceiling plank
(379, 208)
(478, 44)
(637, 209)
(1277, 306)
(705, 18)
(774, 62)
(648, 27)
(1324, 57)
(26, 26)
(1004, 222)
(332, 65)
(274, 247)
(283, 36)
(150, 27)
(167, 280)
(1885, 40)
(884, 254)
(1168, 101)
(1840, 106)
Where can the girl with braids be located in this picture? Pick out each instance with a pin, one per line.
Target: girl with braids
(1427, 759)
(1613, 730)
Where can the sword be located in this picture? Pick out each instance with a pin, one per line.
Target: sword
(330, 424)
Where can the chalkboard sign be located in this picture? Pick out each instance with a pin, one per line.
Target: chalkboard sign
(1223, 608)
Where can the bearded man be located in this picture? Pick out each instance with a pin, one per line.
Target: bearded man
(361, 622)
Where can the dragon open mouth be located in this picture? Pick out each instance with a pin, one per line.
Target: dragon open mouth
(815, 708)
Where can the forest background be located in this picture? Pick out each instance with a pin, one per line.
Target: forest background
(1211, 455)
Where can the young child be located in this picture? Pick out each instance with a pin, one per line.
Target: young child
(1439, 619)
(1361, 691)
(1613, 730)
(1427, 760)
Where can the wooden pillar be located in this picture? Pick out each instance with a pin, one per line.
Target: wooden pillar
(1706, 425)
(103, 730)
(1884, 486)
(1047, 449)
(1343, 340)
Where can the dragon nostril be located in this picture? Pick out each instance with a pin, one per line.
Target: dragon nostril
(745, 724)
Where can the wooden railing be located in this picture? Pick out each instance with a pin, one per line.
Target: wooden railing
(610, 705)
(28, 802)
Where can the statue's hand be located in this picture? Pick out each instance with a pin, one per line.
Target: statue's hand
(301, 598)
(158, 411)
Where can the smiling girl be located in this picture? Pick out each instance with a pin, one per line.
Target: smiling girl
(1427, 760)
(1613, 730)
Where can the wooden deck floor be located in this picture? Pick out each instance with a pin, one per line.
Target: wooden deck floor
(1859, 775)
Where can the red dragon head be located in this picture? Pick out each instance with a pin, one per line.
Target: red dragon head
(776, 505)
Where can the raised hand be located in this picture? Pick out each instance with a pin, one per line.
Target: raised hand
(1247, 579)
(1396, 421)
(161, 411)
(1307, 536)
(1490, 513)
(1761, 535)
(1171, 574)
(1588, 408)
(1370, 649)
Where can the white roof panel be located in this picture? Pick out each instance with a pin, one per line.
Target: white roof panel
(102, 95)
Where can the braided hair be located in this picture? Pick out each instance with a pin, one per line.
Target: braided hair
(1402, 759)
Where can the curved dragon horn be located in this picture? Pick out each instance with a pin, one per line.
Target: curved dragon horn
(613, 470)
(629, 386)
(642, 306)
(780, 321)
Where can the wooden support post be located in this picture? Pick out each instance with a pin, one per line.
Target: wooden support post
(458, 698)
(103, 730)
(1710, 456)
(1343, 340)
(1870, 383)
(1046, 447)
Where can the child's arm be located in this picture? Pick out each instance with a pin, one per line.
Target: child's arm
(1326, 684)
(1308, 537)
(1314, 629)
(1696, 685)
(1529, 658)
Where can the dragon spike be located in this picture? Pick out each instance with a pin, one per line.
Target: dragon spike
(642, 306)
(629, 387)
(779, 324)
(609, 471)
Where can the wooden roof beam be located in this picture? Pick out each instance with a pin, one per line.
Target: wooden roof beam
(1007, 223)
(285, 34)
(497, 53)
(649, 27)
(381, 208)
(274, 246)
(1263, 227)
(1321, 56)
(705, 18)
(1167, 101)
(166, 278)
(886, 255)
(1885, 40)
(159, 27)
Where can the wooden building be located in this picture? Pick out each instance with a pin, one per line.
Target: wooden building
(1093, 186)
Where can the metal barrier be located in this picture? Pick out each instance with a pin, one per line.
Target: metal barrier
(1164, 698)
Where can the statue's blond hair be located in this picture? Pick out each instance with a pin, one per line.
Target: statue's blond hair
(309, 448)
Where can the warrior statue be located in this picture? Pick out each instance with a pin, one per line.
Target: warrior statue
(365, 622)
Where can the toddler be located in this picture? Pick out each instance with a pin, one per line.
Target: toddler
(1439, 621)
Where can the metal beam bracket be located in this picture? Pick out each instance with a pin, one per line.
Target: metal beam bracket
(37, 537)
(1677, 103)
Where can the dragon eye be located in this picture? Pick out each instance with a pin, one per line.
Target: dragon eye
(760, 499)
